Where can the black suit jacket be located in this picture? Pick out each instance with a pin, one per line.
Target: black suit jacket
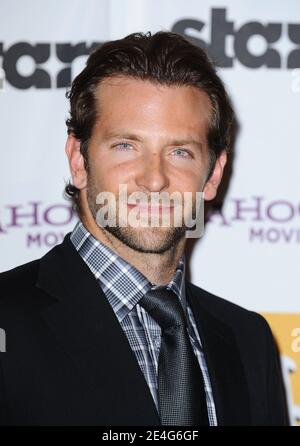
(68, 362)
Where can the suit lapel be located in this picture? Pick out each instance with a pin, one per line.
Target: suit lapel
(224, 364)
(85, 325)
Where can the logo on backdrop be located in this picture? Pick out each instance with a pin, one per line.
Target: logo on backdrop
(267, 36)
(264, 220)
(44, 225)
(224, 31)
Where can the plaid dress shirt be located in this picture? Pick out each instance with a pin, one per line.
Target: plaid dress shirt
(123, 286)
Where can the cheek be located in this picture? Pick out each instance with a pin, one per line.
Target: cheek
(108, 177)
(190, 181)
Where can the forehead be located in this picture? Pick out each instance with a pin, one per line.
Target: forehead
(123, 101)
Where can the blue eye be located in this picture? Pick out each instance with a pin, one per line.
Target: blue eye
(123, 146)
(182, 153)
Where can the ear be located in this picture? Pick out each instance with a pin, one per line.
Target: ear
(212, 184)
(76, 162)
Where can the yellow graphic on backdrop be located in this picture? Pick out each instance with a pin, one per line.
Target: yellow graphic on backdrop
(286, 330)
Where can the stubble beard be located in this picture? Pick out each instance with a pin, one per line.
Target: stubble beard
(154, 240)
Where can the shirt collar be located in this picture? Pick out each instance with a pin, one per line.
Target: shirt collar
(122, 283)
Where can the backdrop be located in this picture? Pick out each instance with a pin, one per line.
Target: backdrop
(250, 250)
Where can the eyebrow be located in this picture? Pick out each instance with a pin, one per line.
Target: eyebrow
(134, 137)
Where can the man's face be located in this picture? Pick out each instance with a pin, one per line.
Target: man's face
(152, 138)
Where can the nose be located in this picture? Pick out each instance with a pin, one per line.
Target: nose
(152, 175)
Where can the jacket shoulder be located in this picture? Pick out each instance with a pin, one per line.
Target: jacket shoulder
(23, 273)
(18, 284)
(257, 348)
(229, 312)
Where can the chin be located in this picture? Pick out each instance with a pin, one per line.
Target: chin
(148, 240)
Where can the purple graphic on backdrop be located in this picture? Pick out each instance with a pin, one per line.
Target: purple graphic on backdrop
(44, 224)
(264, 220)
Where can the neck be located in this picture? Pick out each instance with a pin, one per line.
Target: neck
(157, 268)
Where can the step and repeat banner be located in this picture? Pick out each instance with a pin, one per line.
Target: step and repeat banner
(249, 253)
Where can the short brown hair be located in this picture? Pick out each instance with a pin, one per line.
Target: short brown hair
(166, 58)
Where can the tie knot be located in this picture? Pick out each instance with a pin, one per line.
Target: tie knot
(164, 307)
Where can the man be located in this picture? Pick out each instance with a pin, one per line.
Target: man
(105, 329)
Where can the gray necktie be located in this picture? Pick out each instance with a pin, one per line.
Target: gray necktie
(181, 392)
